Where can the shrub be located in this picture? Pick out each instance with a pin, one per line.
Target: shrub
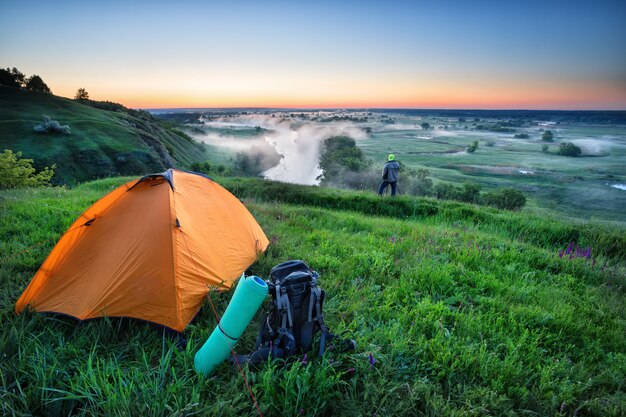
(521, 136)
(544, 148)
(505, 198)
(17, 172)
(446, 191)
(470, 193)
(472, 148)
(209, 168)
(51, 126)
(547, 136)
(569, 149)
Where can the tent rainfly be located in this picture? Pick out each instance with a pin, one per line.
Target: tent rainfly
(151, 250)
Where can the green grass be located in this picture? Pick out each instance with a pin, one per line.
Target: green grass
(573, 187)
(464, 314)
(102, 142)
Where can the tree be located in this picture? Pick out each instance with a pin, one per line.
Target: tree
(472, 148)
(470, 193)
(35, 83)
(340, 155)
(17, 172)
(569, 149)
(81, 94)
(7, 78)
(425, 126)
(547, 136)
(505, 198)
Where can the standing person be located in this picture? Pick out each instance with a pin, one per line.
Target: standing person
(390, 175)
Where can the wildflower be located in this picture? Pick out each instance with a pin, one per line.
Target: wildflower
(303, 361)
(351, 371)
(372, 360)
(560, 254)
(570, 247)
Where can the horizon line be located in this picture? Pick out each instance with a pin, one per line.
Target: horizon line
(372, 108)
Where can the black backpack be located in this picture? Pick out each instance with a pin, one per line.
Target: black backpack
(295, 314)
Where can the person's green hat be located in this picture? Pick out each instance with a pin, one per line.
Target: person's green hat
(391, 157)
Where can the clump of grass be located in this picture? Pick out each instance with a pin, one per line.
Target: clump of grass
(52, 126)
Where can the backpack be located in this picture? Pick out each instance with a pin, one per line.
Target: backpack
(295, 315)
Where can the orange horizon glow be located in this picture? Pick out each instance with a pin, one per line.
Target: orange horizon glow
(446, 98)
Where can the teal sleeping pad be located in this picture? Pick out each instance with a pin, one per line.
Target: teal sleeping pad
(248, 297)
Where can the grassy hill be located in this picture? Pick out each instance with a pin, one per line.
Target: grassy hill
(101, 143)
(465, 310)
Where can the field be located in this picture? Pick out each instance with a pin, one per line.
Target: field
(575, 187)
(464, 311)
(589, 187)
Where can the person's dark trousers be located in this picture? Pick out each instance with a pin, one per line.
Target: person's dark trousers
(384, 185)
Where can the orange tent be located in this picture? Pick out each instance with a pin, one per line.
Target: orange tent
(150, 250)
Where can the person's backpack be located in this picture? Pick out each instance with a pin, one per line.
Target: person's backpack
(295, 315)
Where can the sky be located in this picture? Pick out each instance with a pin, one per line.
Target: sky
(366, 54)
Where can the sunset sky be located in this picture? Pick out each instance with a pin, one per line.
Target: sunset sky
(418, 54)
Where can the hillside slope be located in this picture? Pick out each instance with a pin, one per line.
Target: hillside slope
(101, 143)
(454, 314)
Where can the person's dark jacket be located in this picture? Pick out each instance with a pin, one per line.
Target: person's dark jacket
(390, 171)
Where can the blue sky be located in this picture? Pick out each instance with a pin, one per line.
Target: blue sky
(482, 54)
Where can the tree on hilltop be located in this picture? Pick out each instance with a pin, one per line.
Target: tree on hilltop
(35, 83)
(12, 78)
(81, 94)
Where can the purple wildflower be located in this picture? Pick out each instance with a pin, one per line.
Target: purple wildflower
(303, 361)
(560, 254)
(301, 411)
(351, 371)
(570, 247)
(372, 360)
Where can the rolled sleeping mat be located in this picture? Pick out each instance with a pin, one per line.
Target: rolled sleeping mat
(248, 297)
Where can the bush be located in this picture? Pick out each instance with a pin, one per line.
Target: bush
(209, 168)
(505, 198)
(470, 193)
(51, 126)
(446, 191)
(547, 136)
(544, 148)
(472, 148)
(521, 136)
(569, 149)
(16, 172)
